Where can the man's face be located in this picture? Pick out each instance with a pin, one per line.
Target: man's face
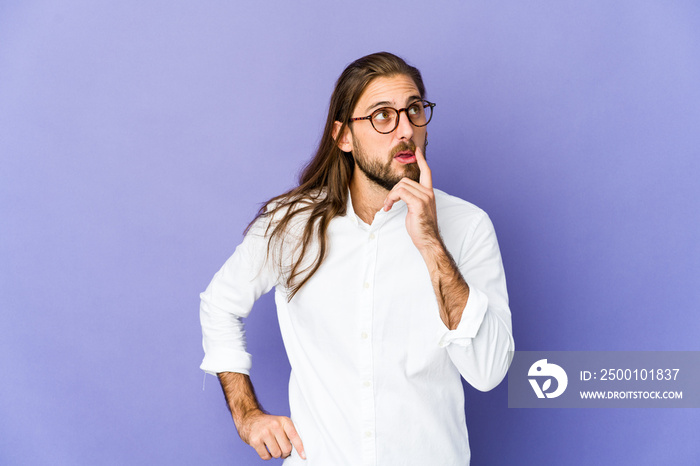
(386, 158)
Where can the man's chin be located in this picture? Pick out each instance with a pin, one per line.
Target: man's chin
(412, 172)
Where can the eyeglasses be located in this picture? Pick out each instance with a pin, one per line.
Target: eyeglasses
(386, 119)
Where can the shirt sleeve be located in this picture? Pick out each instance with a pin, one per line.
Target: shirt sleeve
(230, 296)
(482, 344)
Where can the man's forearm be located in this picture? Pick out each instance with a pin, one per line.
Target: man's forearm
(450, 288)
(240, 396)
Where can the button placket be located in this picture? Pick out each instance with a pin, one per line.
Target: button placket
(368, 415)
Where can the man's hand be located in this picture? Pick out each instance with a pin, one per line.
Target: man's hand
(271, 436)
(421, 220)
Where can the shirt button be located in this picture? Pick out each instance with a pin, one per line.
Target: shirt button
(364, 335)
(371, 236)
(367, 383)
(368, 434)
(366, 285)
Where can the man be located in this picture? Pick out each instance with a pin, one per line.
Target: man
(386, 290)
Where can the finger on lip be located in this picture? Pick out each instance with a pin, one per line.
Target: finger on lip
(421, 157)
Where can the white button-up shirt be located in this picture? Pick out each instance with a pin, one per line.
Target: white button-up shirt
(375, 374)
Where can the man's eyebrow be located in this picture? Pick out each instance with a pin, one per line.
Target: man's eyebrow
(386, 103)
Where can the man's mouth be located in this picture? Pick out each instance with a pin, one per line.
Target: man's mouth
(405, 156)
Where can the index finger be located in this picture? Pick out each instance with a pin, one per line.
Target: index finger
(426, 176)
(293, 437)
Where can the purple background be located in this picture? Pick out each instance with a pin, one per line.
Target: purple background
(137, 139)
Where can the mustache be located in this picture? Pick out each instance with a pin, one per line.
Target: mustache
(403, 146)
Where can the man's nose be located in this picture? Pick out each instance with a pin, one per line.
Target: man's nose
(404, 130)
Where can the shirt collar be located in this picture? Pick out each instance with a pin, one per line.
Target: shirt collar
(379, 218)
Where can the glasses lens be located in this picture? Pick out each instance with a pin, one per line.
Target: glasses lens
(420, 113)
(384, 119)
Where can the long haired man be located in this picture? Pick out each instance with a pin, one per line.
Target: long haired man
(388, 292)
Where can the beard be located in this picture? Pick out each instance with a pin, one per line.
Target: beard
(382, 174)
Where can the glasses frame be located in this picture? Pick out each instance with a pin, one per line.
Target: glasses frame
(426, 104)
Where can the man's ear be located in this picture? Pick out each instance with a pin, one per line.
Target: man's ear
(344, 141)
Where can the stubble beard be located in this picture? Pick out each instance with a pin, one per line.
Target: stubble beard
(382, 174)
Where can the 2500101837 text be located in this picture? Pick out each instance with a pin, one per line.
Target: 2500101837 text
(638, 374)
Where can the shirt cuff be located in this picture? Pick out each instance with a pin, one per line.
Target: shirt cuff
(472, 317)
(227, 360)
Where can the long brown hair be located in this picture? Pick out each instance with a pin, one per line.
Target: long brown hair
(322, 193)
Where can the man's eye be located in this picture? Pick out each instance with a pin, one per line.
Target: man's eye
(381, 115)
(415, 109)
